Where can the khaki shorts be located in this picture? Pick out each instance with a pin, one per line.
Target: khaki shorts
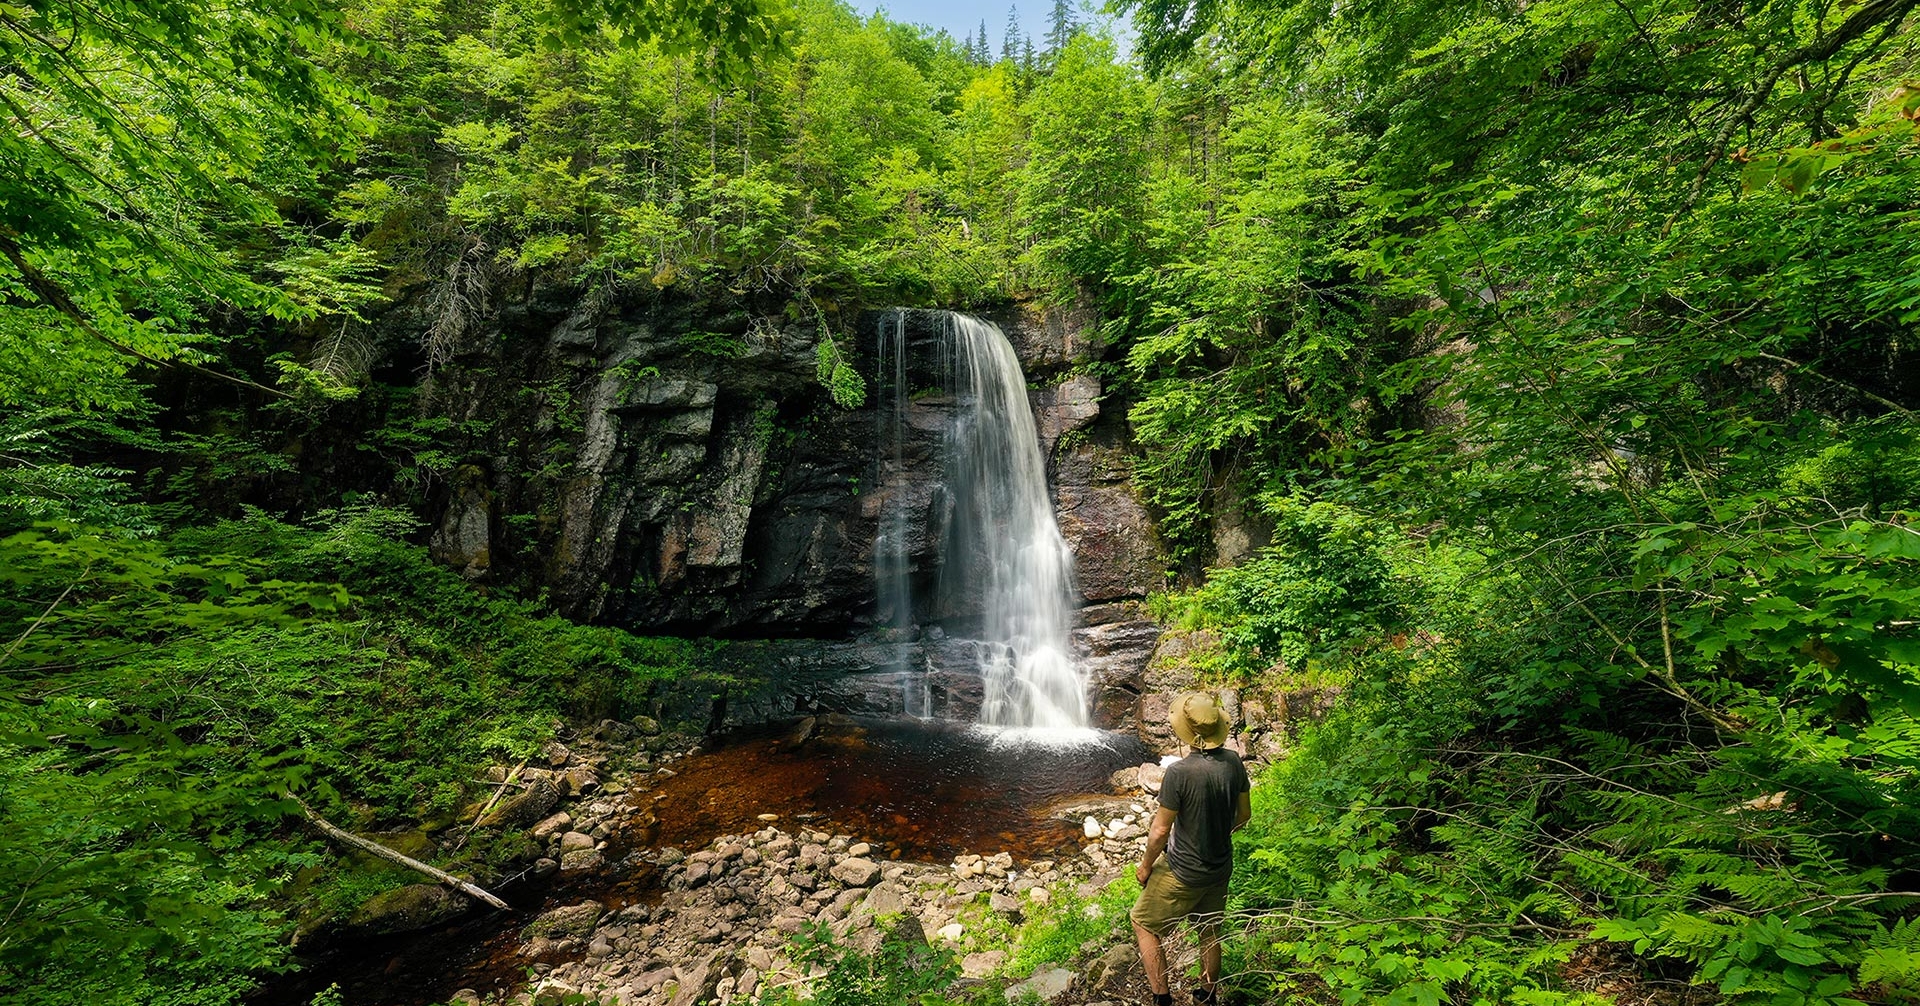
(1165, 901)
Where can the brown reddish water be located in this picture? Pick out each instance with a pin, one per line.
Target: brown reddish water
(917, 791)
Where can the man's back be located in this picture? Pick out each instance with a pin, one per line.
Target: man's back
(1202, 789)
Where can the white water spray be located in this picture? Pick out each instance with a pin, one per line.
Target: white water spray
(1001, 552)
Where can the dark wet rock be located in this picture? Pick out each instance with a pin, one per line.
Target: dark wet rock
(1052, 337)
(1114, 656)
(552, 825)
(663, 468)
(404, 910)
(568, 922)
(1117, 551)
(464, 538)
(526, 807)
(1071, 405)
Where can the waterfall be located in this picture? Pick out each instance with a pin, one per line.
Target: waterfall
(1001, 552)
(890, 562)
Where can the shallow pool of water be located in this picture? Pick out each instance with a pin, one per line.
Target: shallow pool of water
(920, 790)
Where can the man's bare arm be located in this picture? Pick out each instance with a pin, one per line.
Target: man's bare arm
(1242, 812)
(1157, 833)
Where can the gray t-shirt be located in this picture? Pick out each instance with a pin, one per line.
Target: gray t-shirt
(1203, 791)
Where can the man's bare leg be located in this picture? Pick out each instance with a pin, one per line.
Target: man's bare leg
(1155, 961)
(1210, 956)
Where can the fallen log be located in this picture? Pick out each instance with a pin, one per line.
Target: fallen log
(338, 834)
(499, 791)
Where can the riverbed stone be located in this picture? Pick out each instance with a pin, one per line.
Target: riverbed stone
(580, 779)
(553, 992)
(552, 825)
(649, 981)
(982, 964)
(855, 871)
(1113, 966)
(581, 859)
(570, 921)
(525, 808)
(1048, 985)
(886, 898)
(792, 921)
(406, 909)
(697, 981)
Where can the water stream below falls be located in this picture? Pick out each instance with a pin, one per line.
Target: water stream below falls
(1000, 551)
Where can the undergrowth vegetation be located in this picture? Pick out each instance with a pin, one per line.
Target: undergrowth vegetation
(169, 697)
(1512, 803)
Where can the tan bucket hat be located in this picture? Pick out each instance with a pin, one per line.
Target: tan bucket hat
(1198, 721)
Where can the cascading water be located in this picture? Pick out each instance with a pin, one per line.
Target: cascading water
(890, 562)
(1001, 552)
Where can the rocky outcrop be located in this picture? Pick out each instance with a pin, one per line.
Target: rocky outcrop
(675, 465)
(1117, 550)
(464, 539)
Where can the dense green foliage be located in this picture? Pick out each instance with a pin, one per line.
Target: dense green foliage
(160, 716)
(1566, 348)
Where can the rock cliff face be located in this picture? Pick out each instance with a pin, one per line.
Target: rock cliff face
(662, 466)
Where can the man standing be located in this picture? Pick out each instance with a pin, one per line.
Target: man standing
(1203, 801)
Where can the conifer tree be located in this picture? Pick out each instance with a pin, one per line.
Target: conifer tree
(1010, 42)
(1061, 25)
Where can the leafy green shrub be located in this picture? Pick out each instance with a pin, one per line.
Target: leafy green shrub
(1324, 584)
(1055, 933)
(904, 970)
